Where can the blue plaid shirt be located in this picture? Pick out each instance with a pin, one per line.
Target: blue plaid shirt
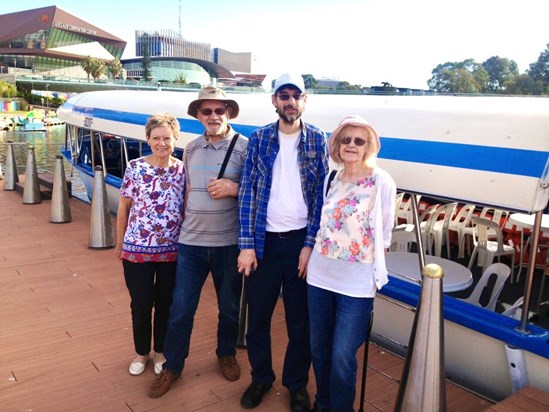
(257, 175)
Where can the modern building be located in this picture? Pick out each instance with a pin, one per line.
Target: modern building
(51, 41)
(236, 62)
(169, 69)
(168, 43)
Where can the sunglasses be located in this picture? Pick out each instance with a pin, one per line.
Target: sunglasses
(286, 96)
(220, 111)
(359, 141)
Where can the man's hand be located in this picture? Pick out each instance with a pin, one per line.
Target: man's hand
(247, 261)
(220, 188)
(304, 257)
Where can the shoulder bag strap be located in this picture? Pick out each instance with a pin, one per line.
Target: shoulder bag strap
(227, 156)
(330, 178)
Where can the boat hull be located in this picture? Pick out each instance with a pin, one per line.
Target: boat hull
(475, 341)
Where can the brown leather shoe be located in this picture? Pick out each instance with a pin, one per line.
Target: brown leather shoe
(229, 367)
(162, 383)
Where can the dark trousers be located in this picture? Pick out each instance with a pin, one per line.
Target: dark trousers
(150, 285)
(279, 268)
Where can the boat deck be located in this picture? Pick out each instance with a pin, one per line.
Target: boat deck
(66, 339)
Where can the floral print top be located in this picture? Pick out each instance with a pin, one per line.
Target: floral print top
(155, 216)
(345, 232)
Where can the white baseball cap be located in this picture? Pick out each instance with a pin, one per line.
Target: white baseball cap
(290, 79)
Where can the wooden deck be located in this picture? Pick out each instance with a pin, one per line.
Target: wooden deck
(66, 341)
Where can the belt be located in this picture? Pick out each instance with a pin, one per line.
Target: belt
(283, 235)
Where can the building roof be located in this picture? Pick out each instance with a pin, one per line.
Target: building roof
(15, 25)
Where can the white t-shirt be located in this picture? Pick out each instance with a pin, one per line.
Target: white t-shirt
(286, 209)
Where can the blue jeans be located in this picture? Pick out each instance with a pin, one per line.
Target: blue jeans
(278, 268)
(193, 265)
(338, 329)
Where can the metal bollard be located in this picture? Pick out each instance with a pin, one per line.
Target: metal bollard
(12, 176)
(423, 383)
(60, 208)
(101, 234)
(31, 190)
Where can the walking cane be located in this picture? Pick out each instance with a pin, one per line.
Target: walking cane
(365, 362)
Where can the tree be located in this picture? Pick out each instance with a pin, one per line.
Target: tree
(500, 71)
(539, 70)
(86, 64)
(146, 62)
(459, 77)
(524, 84)
(310, 81)
(180, 79)
(114, 67)
(98, 68)
(7, 89)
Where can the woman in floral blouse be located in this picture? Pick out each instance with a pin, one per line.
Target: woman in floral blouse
(148, 222)
(347, 266)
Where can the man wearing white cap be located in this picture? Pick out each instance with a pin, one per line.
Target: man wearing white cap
(280, 200)
(208, 238)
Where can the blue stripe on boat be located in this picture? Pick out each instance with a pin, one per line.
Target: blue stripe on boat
(529, 163)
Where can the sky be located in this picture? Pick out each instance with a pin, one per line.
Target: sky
(364, 42)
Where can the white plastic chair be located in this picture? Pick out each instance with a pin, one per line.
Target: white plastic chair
(515, 310)
(490, 213)
(439, 229)
(488, 249)
(405, 210)
(426, 221)
(401, 240)
(502, 272)
(459, 224)
(398, 204)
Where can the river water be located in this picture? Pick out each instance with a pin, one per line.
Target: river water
(47, 145)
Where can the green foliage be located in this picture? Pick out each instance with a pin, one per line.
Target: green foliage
(539, 70)
(310, 81)
(146, 62)
(459, 77)
(500, 71)
(524, 84)
(7, 89)
(86, 65)
(180, 79)
(114, 67)
(495, 75)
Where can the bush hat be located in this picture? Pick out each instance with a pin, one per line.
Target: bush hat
(212, 93)
(290, 79)
(354, 120)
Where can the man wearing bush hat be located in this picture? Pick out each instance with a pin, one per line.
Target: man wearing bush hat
(280, 201)
(208, 238)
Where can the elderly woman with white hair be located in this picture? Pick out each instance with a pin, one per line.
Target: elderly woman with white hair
(347, 266)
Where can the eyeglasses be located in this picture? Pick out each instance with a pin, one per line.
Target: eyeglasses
(286, 96)
(220, 111)
(359, 141)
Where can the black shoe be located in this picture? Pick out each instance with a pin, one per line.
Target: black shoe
(253, 395)
(299, 401)
(317, 409)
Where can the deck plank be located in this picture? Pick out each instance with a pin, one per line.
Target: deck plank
(66, 340)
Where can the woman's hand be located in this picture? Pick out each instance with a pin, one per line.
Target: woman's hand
(304, 257)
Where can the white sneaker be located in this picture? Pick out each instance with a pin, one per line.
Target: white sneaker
(137, 367)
